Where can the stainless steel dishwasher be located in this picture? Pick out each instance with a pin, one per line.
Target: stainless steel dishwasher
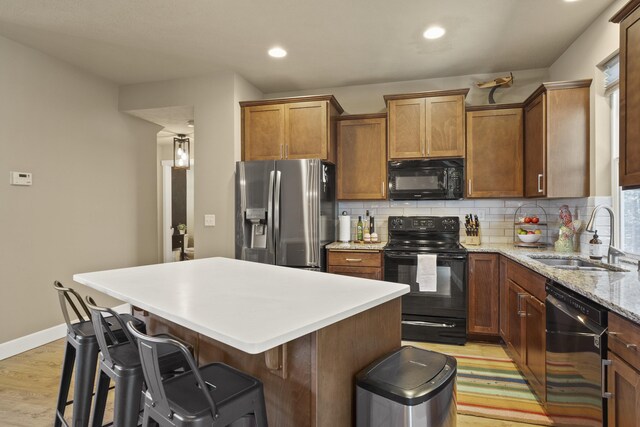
(575, 358)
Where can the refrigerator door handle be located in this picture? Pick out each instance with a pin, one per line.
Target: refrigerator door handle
(270, 211)
(276, 210)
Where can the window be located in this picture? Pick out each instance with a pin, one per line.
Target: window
(626, 202)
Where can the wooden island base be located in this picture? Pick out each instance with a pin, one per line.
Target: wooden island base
(309, 381)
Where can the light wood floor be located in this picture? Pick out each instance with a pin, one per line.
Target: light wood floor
(29, 385)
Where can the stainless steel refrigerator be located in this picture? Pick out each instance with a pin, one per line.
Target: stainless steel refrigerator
(286, 212)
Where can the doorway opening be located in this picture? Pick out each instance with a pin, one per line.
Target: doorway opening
(175, 187)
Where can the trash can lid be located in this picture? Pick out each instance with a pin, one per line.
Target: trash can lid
(409, 376)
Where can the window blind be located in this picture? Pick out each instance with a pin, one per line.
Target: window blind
(611, 73)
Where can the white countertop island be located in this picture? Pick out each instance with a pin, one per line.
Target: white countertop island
(252, 307)
(305, 334)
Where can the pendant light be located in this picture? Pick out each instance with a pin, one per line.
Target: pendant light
(181, 152)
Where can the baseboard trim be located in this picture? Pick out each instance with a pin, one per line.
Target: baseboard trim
(36, 339)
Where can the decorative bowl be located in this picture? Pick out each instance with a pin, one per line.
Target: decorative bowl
(529, 238)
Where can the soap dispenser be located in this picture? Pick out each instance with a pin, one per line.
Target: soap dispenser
(595, 247)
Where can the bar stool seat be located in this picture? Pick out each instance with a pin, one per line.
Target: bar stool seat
(225, 385)
(80, 357)
(213, 395)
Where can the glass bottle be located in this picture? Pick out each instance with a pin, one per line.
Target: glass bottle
(359, 230)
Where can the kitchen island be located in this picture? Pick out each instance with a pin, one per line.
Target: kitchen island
(304, 334)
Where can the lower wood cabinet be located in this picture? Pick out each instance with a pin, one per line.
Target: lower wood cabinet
(483, 289)
(525, 316)
(359, 263)
(623, 380)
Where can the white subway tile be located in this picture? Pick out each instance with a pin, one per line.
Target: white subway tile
(430, 203)
(499, 239)
(489, 203)
(417, 211)
(459, 203)
(445, 211)
(377, 204)
(389, 211)
(349, 205)
(403, 203)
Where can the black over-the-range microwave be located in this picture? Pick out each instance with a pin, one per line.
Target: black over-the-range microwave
(426, 179)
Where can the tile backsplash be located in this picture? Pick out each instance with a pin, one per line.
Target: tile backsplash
(496, 216)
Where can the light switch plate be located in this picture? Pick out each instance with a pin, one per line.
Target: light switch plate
(209, 220)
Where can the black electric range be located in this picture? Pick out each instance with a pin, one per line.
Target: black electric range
(434, 310)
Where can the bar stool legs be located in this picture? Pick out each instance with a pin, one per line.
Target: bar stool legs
(127, 400)
(83, 354)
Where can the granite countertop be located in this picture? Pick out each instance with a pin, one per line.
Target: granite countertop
(354, 246)
(619, 291)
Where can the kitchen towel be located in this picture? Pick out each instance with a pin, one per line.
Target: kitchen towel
(427, 273)
(345, 228)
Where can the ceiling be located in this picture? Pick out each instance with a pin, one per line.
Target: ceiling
(174, 120)
(330, 42)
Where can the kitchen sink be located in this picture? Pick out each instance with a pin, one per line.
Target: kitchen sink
(576, 264)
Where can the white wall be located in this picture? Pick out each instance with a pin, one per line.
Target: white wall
(92, 203)
(580, 61)
(363, 99)
(243, 91)
(212, 98)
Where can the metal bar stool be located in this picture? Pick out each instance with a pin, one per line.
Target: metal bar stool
(119, 361)
(213, 395)
(81, 353)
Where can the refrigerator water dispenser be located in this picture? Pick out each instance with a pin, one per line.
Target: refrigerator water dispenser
(258, 220)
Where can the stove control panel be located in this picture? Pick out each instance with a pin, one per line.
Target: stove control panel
(424, 223)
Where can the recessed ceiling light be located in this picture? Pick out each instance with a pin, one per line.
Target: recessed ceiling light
(277, 52)
(190, 123)
(434, 32)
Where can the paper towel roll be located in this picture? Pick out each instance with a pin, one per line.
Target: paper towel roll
(345, 228)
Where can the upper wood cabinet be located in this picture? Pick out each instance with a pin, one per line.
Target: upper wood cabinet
(629, 19)
(556, 140)
(426, 124)
(494, 151)
(484, 290)
(362, 157)
(290, 128)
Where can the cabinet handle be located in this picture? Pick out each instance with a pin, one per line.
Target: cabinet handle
(539, 183)
(286, 151)
(631, 346)
(469, 187)
(282, 151)
(603, 376)
(521, 312)
(382, 188)
(353, 259)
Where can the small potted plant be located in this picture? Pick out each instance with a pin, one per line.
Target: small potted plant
(182, 228)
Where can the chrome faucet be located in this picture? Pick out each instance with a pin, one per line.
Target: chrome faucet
(614, 253)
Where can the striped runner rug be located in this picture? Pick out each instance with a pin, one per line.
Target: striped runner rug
(494, 388)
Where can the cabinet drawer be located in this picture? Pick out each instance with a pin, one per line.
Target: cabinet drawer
(374, 273)
(624, 339)
(355, 258)
(528, 280)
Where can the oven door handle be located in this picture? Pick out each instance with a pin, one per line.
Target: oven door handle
(396, 254)
(428, 324)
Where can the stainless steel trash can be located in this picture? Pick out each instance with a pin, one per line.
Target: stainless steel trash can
(408, 388)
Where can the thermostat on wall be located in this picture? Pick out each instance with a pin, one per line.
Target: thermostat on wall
(20, 178)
